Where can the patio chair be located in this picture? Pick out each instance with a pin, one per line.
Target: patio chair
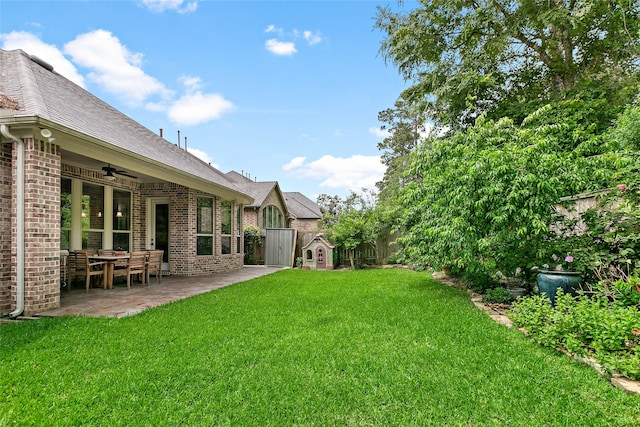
(88, 268)
(136, 265)
(73, 268)
(154, 265)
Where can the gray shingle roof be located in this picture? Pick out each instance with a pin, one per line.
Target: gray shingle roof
(297, 203)
(42, 93)
(301, 206)
(258, 190)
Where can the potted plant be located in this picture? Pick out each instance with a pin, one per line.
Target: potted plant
(515, 285)
(552, 278)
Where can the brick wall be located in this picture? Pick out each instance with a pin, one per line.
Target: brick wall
(183, 258)
(305, 225)
(250, 217)
(42, 226)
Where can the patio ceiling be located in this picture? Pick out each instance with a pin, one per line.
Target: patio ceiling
(74, 159)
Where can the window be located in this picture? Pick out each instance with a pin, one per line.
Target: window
(92, 218)
(271, 217)
(121, 219)
(65, 214)
(227, 218)
(205, 228)
(238, 227)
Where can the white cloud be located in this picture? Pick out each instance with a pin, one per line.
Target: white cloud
(351, 173)
(191, 82)
(195, 108)
(117, 70)
(180, 6)
(312, 38)
(273, 29)
(114, 67)
(380, 133)
(296, 162)
(202, 155)
(32, 45)
(280, 48)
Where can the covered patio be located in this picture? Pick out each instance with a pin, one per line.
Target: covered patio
(120, 302)
(77, 174)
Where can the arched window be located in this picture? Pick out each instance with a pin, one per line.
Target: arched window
(272, 217)
(309, 254)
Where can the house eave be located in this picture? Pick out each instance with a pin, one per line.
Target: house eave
(85, 145)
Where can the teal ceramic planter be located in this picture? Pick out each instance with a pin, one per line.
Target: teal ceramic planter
(549, 281)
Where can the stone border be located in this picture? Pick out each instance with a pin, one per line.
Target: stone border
(626, 384)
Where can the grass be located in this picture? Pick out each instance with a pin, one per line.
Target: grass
(378, 347)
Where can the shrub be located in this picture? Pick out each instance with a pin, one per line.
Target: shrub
(497, 295)
(478, 280)
(252, 245)
(393, 259)
(591, 327)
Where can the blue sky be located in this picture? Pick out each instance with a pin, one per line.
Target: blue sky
(282, 91)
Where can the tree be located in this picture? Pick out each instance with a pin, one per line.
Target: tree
(488, 195)
(501, 57)
(356, 224)
(405, 129)
(331, 208)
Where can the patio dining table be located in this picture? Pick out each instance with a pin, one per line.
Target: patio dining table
(111, 261)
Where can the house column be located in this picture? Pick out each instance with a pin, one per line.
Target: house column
(42, 226)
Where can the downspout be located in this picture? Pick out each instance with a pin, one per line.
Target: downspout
(19, 222)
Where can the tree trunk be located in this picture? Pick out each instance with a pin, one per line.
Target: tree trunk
(353, 267)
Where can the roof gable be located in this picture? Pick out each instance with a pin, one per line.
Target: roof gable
(256, 189)
(319, 238)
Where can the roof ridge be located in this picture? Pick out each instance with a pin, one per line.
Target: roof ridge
(27, 83)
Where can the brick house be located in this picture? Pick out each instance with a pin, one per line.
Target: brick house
(269, 208)
(76, 173)
(272, 208)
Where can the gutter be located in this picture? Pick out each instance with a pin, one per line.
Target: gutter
(20, 266)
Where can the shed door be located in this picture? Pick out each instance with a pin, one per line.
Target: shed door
(321, 258)
(279, 246)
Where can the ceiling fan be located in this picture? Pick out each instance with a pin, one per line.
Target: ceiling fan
(109, 171)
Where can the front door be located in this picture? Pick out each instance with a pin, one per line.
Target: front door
(158, 228)
(321, 260)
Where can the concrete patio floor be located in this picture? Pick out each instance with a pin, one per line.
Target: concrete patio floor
(121, 302)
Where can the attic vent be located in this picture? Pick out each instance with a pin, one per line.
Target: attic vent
(41, 62)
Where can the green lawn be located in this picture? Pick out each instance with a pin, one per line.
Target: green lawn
(373, 347)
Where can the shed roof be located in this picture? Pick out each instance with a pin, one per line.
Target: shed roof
(39, 95)
(319, 238)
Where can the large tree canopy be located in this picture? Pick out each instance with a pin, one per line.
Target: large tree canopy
(503, 57)
(405, 129)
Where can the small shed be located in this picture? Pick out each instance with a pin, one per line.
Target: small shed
(318, 254)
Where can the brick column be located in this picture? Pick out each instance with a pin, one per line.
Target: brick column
(42, 226)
